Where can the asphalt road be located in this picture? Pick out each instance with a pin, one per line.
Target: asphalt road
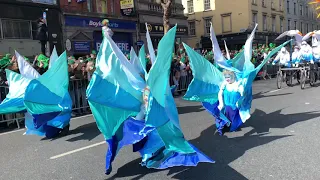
(280, 141)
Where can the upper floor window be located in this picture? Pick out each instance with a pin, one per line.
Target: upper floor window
(207, 5)
(288, 7)
(190, 6)
(207, 25)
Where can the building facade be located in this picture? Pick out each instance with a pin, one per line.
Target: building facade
(301, 16)
(234, 20)
(18, 25)
(82, 26)
(152, 13)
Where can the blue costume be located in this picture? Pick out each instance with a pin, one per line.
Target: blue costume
(44, 99)
(115, 97)
(209, 86)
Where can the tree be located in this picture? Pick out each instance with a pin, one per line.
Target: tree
(166, 5)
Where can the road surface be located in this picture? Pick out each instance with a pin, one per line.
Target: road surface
(279, 141)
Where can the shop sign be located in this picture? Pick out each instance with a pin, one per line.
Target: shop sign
(81, 46)
(158, 28)
(127, 7)
(97, 22)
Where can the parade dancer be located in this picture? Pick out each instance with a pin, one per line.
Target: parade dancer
(116, 94)
(226, 95)
(105, 29)
(296, 56)
(283, 58)
(306, 52)
(49, 116)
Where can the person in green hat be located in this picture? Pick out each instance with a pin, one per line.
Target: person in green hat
(4, 62)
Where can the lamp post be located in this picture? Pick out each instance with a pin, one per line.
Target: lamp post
(44, 16)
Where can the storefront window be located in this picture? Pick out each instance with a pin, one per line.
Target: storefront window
(16, 29)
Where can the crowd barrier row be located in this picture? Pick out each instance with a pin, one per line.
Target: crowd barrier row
(77, 90)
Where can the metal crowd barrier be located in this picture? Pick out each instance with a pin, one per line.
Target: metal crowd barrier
(77, 90)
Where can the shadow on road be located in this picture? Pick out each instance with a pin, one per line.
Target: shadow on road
(264, 95)
(261, 122)
(222, 149)
(190, 109)
(87, 132)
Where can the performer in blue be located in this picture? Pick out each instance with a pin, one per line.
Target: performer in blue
(117, 94)
(226, 95)
(47, 116)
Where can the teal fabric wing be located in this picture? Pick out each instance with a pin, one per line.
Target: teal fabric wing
(206, 81)
(111, 93)
(158, 76)
(142, 59)
(162, 112)
(218, 56)
(247, 80)
(135, 61)
(49, 92)
(14, 100)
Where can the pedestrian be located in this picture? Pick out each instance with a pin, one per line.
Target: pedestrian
(42, 34)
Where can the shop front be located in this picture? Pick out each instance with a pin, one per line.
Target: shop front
(85, 34)
(156, 33)
(18, 26)
(236, 41)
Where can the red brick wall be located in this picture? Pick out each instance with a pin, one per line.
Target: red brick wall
(74, 7)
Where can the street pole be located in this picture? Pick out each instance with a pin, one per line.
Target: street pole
(44, 16)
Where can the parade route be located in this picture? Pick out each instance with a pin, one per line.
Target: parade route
(279, 141)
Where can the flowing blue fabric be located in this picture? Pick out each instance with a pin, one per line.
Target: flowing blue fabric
(207, 82)
(52, 113)
(13, 102)
(115, 97)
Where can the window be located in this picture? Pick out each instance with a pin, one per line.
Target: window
(312, 27)
(207, 5)
(190, 6)
(89, 5)
(301, 11)
(226, 22)
(307, 11)
(307, 26)
(102, 6)
(280, 5)
(192, 28)
(288, 7)
(254, 1)
(207, 26)
(254, 18)
(264, 19)
(289, 23)
(295, 8)
(264, 3)
(295, 25)
(272, 4)
(301, 26)
(281, 25)
(273, 24)
(16, 29)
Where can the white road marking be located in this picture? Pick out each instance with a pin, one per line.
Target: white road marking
(10, 132)
(77, 150)
(307, 103)
(23, 129)
(274, 91)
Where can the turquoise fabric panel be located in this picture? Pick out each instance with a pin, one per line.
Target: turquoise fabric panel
(142, 59)
(14, 100)
(56, 79)
(158, 76)
(105, 93)
(109, 119)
